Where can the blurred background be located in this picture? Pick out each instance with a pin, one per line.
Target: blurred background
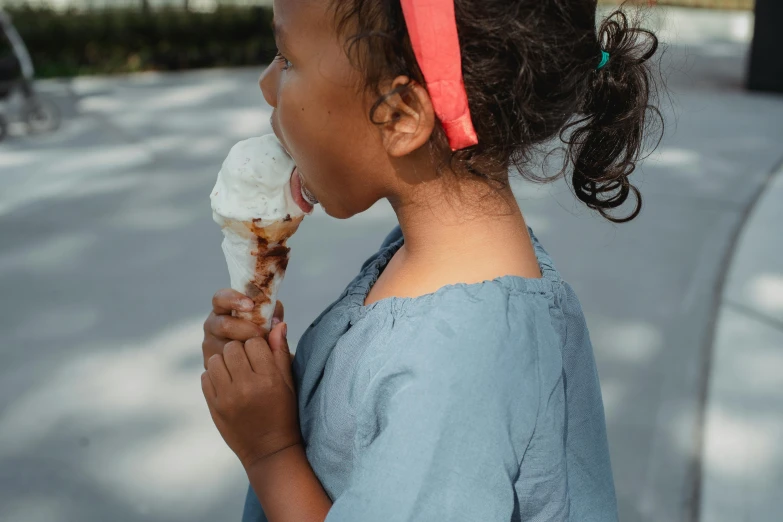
(109, 258)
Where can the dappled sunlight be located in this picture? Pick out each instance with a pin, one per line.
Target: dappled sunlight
(102, 104)
(151, 78)
(700, 25)
(748, 357)
(108, 390)
(626, 341)
(103, 159)
(163, 217)
(766, 292)
(243, 123)
(56, 172)
(105, 186)
(228, 124)
(35, 508)
(708, 171)
(189, 465)
(187, 96)
(688, 160)
(162, 185)
(762, 369)
(104, 385)
(55, 324)
(630, 356)
(168, 142)
(199, 119)
(207, 146)
(742, 27)
(181, 99)
(738, 441)
(56, 254)
(88, 85)
(13, 158)
(158, 205)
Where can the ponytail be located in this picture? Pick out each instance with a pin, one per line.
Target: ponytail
(605, 143)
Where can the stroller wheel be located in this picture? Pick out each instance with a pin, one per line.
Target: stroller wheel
(41, 116)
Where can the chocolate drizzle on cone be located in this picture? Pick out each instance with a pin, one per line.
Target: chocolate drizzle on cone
(271, 262)
(272, 257)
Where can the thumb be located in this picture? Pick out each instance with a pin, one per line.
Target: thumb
(278, 342)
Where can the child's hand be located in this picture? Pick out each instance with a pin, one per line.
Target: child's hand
(251, 396)
(221, 327)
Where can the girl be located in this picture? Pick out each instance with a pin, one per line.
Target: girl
(454, 377)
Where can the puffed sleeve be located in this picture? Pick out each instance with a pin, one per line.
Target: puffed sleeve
(450, 405)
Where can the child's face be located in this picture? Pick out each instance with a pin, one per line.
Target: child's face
(319, 115)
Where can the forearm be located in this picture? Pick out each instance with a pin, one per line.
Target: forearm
(288, 489)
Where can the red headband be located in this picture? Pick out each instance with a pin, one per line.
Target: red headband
(432, 26)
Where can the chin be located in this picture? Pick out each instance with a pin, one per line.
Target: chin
(338, 211)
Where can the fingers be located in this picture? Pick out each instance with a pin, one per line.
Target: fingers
(259, 354)
(212, 346)
(279, 314)
(278, 343)
(236, 359)
(222, 329)
(218, 373)
(207, 387)
(226, 300)
(231, 328)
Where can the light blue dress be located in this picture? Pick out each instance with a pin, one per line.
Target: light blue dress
(477, 403)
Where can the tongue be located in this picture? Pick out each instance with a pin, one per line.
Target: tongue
(296, 192)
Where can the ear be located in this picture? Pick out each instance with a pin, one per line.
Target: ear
(406, 119)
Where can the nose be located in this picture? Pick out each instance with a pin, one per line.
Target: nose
(268, 84)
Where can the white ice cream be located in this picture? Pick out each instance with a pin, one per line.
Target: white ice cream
(255, 184)
(253, 204)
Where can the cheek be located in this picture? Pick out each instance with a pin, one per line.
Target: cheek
(337, 148)
(323, 136)
(305, 120)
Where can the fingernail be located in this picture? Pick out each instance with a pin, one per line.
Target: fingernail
(285, 330)
(247, 305)
(275, 321)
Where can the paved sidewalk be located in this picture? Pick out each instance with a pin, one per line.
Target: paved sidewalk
(742, 472)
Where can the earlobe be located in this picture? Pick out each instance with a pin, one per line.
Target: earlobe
(406, 118)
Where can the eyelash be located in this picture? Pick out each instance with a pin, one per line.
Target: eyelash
(285, 61)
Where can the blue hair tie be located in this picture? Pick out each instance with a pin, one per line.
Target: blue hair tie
(604, 60)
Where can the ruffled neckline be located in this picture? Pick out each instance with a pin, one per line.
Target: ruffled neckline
(360, 289)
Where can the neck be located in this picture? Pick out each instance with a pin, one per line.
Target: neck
(442, 223)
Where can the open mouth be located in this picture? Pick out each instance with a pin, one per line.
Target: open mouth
(302, 197)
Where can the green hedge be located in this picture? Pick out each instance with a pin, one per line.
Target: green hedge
(118, 40)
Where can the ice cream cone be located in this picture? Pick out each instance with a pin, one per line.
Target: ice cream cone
(258, 204)
(257, 259)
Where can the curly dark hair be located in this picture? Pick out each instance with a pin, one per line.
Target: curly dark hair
(530, 70)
